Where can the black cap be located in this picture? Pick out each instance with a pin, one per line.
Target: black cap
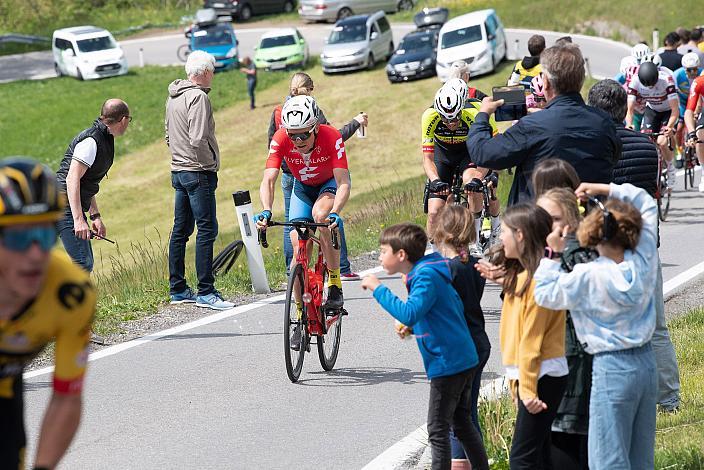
(241, 198)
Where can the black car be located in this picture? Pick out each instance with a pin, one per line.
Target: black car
(415, 56)
(243, 10)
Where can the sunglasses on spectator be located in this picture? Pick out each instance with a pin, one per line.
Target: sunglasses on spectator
(20, 240)
(692, 70)
(300, 137)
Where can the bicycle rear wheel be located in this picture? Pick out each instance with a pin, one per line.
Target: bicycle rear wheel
(689, 167)
(294, 359)
(329, 343)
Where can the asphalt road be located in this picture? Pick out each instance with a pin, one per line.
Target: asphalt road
(217, 396)
(161, 50)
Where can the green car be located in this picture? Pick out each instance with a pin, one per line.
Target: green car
(281, 49)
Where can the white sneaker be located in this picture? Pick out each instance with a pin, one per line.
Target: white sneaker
(701, 187)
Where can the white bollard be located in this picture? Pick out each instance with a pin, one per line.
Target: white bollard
(141, 57)
(517, 49)
(656, 39)
(255, 260)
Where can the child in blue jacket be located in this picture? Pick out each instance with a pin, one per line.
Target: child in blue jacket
(435, 312)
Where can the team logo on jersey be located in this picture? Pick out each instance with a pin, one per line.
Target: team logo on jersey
(306, 174)
(72, 295)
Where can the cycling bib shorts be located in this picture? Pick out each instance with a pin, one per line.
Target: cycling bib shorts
(303, 198)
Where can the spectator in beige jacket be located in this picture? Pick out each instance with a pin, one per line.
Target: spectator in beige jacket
(195, 160)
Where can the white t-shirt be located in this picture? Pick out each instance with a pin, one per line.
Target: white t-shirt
(85, 151)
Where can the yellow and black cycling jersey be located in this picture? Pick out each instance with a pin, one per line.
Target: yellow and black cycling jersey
(437, 135)
(63, 311)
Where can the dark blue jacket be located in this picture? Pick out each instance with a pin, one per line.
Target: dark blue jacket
(567, 128)
(436, 313)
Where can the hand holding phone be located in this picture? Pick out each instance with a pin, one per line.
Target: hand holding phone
(514, 102)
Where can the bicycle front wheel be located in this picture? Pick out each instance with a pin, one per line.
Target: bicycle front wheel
(664, 200)
(182, 52)
(294, 352)
(689, 167)
(329, 343)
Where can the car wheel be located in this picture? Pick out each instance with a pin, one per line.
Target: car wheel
(391, 51)
(288, 7)
(79, 75)
(245, 13)
(370, 61)
(405, 5)
(58, 71)
(343, 13)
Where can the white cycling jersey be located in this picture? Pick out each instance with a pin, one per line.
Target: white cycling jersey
(657, 97)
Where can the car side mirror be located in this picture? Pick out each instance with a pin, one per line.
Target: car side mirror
(491, 37)
(68, 53)
(374, 35)
(301, 41)
(237, 42)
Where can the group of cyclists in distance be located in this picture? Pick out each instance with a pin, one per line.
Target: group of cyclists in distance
(312, 155)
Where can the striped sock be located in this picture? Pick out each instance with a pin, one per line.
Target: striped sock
(334, 277)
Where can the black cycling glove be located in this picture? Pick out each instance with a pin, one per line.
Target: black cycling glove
(438, 186)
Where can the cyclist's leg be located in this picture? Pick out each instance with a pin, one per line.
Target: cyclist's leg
(287, 187)
(436, 201)
(658, 121)
(301, 208)
(13, 442)
(700, 137)
(321, 210)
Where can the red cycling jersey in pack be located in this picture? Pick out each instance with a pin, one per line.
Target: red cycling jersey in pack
(316, 168)
(696, 93)
(657, 97)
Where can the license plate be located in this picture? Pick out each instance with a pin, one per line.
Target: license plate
(306, 7)
(277, 65)
(218, 5)
(407, 73)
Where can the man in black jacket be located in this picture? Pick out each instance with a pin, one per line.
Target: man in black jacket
(567, 129)
(638, 165)
(86, 162)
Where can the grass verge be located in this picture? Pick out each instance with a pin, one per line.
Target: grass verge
(56, 110)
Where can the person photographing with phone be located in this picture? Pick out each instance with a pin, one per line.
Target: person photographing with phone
(567, 129)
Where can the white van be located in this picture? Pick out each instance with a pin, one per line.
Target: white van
(87, 52)
(478, 38)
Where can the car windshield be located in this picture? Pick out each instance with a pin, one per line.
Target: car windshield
(461, 36)
(415, 43)
(96, 44)
(277, 42)
(348, 33)
(220, 35)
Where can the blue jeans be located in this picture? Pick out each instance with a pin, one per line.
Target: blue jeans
(287, 187)
(622, 410)
(79, 250)
(457, 449)
(668, 373)
(251, 85)
(194, 205)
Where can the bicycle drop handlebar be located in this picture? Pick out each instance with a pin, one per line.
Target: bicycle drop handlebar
(298, 226)
(655, 135)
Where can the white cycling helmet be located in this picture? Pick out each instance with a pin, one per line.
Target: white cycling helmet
(652, 57)
(299, 112)
(449, 101)
(626, 63)
(639, 51)
(690, 60)
(459, 85)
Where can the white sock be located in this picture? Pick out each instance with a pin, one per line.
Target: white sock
(477, 227)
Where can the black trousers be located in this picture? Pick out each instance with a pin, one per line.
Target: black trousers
(450, 404)
(530, 448)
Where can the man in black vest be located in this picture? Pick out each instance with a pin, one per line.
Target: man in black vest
(85, 164)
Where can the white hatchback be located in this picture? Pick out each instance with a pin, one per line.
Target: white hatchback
(87, 52)
(478, 38)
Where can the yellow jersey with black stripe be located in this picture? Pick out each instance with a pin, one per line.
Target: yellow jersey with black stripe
(450, 142)
(62, 312)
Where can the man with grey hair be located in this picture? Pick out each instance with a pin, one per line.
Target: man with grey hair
(567, 129)
(638, 166)
(195, 161)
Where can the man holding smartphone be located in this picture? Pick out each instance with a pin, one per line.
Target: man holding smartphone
(567, 129)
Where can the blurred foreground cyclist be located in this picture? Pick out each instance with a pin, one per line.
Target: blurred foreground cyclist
(43, 297)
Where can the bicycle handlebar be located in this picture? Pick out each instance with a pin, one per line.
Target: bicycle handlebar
(655, 135)
(298, 225)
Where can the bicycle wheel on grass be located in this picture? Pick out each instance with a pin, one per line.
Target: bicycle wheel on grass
(294, 359)
(329, 343)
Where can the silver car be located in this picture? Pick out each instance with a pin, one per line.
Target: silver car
(358, 42)
(335, 10)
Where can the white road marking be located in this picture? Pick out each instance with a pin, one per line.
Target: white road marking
(118, 348)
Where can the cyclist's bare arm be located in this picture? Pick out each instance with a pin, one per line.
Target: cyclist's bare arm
(431, 171)
(629, 112)
(674, 113)
(266, 189)
(689, 120)
(58, 428)
(342, 179)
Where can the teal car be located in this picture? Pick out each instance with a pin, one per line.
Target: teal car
(281, 49)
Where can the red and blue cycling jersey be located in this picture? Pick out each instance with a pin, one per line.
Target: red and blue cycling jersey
(317, 167)
(696, 93)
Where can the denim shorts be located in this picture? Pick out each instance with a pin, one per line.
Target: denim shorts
(303, 197)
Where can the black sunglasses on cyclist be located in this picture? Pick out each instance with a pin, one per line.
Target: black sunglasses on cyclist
(450, 121)
(301, 136)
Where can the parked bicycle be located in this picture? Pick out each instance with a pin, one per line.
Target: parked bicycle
(306, 284)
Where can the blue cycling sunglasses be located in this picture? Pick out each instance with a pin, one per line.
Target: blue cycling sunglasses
(22, 239)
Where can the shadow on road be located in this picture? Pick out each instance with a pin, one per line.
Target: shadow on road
(363, 376)
(215, 335)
